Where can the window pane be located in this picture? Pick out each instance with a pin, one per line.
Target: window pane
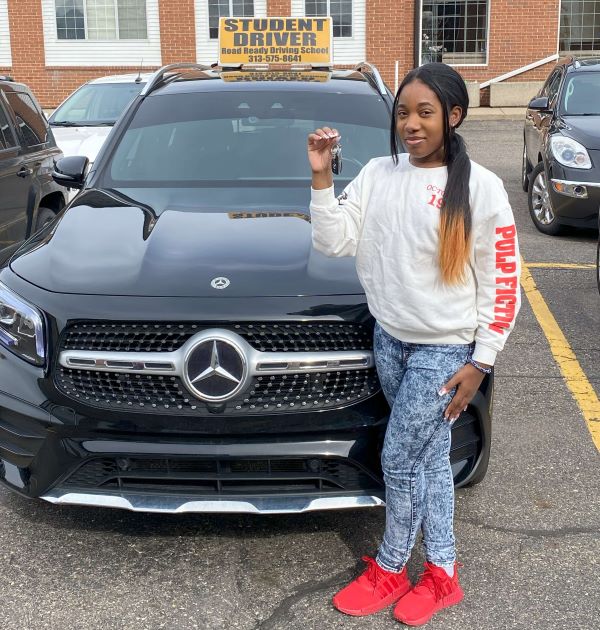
(216, 9)
(101, 19)
(29, 119)
(454, 31)
(6, 137)
(243, 8)
(70, 23)
(315, 8)
(132, 19)
(212, 139)
(580, 27)
(339, 10)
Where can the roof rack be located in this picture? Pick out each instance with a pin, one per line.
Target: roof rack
(365, 66)
(159, 75)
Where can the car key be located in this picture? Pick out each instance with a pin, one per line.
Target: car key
(336, 158)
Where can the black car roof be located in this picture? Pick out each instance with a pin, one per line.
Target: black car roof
(583, 64)
(339, 81)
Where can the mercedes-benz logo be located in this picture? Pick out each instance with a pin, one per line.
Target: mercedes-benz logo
(215, 370)
(220, 283)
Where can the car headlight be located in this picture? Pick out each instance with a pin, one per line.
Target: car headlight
(21, 327)
(569, 152)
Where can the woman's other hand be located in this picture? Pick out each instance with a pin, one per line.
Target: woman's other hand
(467, 381)
(320, 143)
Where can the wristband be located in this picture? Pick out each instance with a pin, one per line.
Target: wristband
(479, 367)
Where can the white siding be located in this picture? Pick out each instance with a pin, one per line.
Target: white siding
(80, 52)
(346, 50)
(5, 54)
(207, 50)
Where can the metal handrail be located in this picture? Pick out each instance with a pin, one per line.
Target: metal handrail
(373, 70)
(156, 78)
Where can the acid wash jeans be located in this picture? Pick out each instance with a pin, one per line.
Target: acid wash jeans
(416, 451)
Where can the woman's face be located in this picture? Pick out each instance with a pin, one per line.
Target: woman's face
(420, 124)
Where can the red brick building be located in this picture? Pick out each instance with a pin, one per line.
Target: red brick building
(55, 45)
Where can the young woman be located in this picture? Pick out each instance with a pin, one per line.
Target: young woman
(437, 255)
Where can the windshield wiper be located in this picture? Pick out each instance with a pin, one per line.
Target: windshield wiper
(71, 123)
(586, 114)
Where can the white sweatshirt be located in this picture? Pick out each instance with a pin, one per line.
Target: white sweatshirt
(388, 217)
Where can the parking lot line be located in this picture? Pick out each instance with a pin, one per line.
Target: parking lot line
(575, 378)
(551, 265)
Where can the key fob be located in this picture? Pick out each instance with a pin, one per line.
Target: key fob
(336, 159)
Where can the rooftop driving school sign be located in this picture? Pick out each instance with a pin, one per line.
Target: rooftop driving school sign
(275, 40)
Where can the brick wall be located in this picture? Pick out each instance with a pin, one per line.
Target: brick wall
(177, 31)
(278, 8)
(520, 33)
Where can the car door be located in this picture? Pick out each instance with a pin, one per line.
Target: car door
(14, 184)
(537, 122)
(33, 134)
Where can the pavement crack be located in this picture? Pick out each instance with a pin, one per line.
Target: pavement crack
(304, 590)
(534, 533)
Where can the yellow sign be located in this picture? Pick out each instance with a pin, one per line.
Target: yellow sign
(275, 40)
(309, 76)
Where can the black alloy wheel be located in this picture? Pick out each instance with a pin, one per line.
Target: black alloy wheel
(525, 170)
(540, 203)
(44, 215)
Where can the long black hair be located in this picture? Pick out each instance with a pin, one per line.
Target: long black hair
(455, 213)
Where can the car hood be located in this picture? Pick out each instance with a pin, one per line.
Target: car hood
(584, 129)
(107, 244)
(81, 140)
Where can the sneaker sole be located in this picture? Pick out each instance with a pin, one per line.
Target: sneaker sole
(450, 600)
(384, 603)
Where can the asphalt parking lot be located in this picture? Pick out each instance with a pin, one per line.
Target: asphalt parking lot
(528, 536)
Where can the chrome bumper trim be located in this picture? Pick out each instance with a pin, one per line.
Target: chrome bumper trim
(259, 363)
(182, 505)
(321, 448)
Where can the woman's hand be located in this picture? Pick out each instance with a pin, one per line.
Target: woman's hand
(320, 143)
(467, 381)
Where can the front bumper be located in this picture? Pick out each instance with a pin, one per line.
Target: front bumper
(64, 451)
(575, 195)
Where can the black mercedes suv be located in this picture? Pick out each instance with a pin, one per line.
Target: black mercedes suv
(172, 342)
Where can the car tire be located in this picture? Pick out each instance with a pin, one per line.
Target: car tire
(44, 215)
(525, 170)
(540, 203)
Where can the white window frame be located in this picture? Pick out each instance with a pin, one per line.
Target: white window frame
(419, 8)
(329, 14)
(207, 49)
(346, 50)
(5, 50)
(102, 52)
(567, 53)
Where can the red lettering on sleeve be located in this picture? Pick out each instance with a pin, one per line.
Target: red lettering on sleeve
(506, 285)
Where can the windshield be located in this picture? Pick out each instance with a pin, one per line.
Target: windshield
(96, 104)
(581, 95)
(242, 138)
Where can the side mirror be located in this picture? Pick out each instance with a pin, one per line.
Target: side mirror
(70, 171)
(540, 103)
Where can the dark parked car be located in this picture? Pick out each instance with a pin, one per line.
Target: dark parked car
(173, 342)
(561, 154)
(28, 195)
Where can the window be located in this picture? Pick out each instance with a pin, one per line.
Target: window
(580, 96)
(101, 19)
(211, 140)
(339, 10)
(29, 118)
(227, 8)
(580, 27)
(454, 31)
(552, 85)
(7, 139)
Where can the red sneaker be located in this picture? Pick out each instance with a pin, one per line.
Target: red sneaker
(434, 591)
(371, 591)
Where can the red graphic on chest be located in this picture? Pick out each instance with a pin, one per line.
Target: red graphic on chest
(435, 196)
